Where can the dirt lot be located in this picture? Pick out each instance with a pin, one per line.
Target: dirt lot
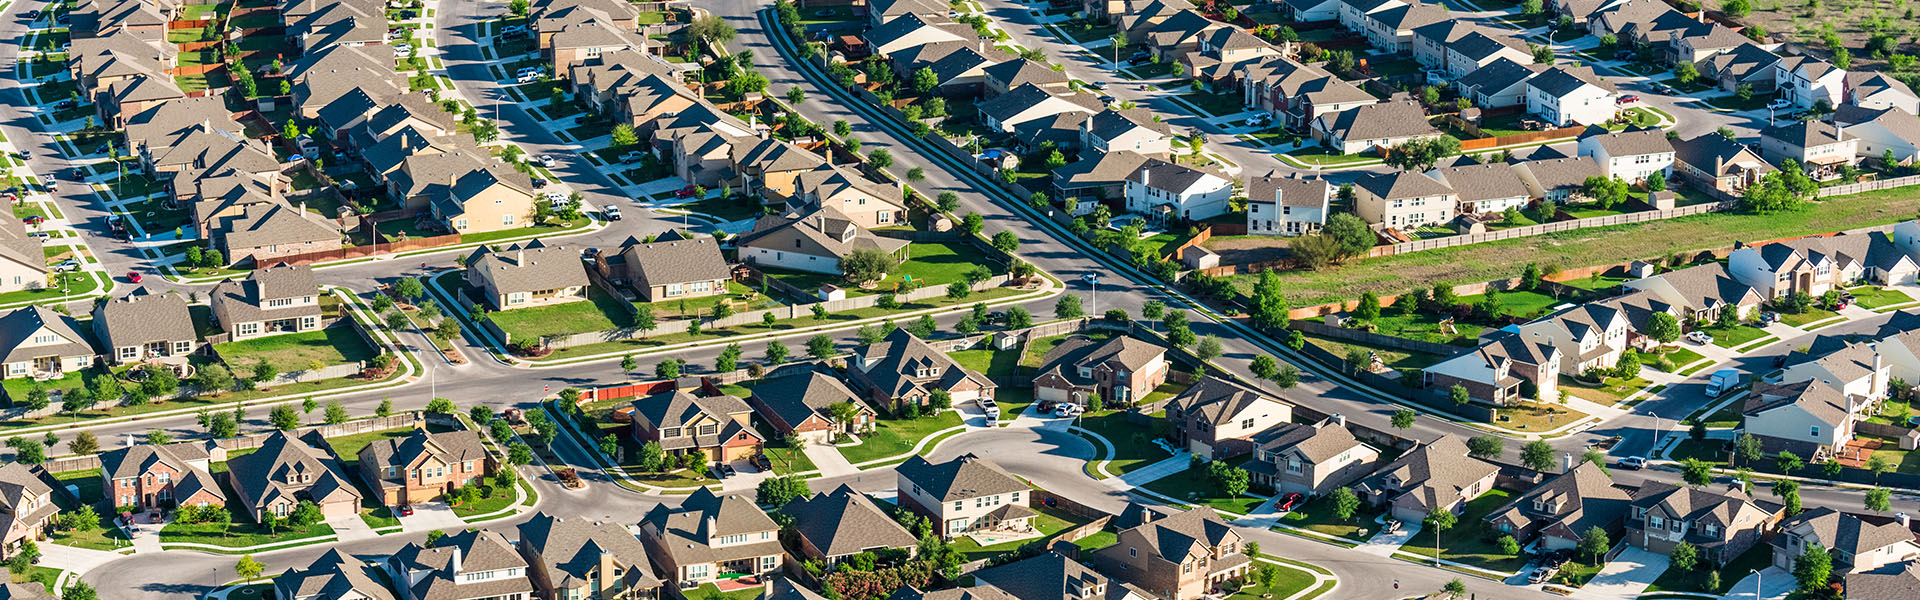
(1243, 249)
(1802, 21)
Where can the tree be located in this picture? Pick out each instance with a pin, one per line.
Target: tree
(385, 408)
(27, 453)
(1663, 327)
(1737, 9)
(864, 266)
(1605, 191)
(1458, 393)
(1746, 448)
(1813, 567)
(795, 95)
(1354, 236)
(1775, 193)
(777, 491)
(1509, 546)
(1486, 447)
(1454, 588)
(1879, 499)
(777, 352)
(1068, 307)
(1209, 349)
(1269, 304)
(159, 437)
(518, 7)
(1265, 367)
(1537, 455)
(336, 412)
(1345, 503)
(1685, 72)
(284, 418)
(820, 346)
(668, 368)
(1006, 241)
(1594, 542)
(624, 135)
(1422, 153)
(248, 568)
(1788, 491)
(713, 29)
(1788, 462)
(1440, 519)
(305, 514)
(214, 378)
(948, 201)
(441, 406)
(1542, 54)
(84, 444)
(1684, 556)
(842, 128)
(1879, 465)
(1657, 181)
(1403, 418)
(1696, 472)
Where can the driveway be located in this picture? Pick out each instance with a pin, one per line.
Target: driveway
(1625, 577)
(428, 516)
(1774, 583)
(351, 528)
(829, 460)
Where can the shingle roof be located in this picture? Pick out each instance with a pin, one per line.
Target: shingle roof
(1585, 497)
(1807, 134)
(31, 590)
(288, 468)
(1290, 190)
(966, 476)
(1317, 443)
(824, 232)
(684, 530)
(1824, 402)
(1632, 143)
(845, 522)
(1901, 124)
(529, 268)
(572, 548)
(1402, 184)
(1900, 582)
(1743, 61)
(1101, 169)
(452, 447)
(1435, 472)
(477, 550)
(245, 300)
(1711, 153)
(1498, 76)
(794, 399)
(1051, 576)
(142, 317)
(1217, 400)
(1382, 120)
(1476, 183)
(1562, 80)
(1014, 73)
(1843, 531)
(678, 261)
(18, 326)
(892, 365)
(1171, 177)
(1130, 354)
(333, 576)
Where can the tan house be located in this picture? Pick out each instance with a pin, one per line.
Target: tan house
(1120, 371)
(144, 325)
(803, 406)
(271, 301)
(335, 575)
(553, 16)
(635, 87)
(682, 423)
(832, 527)
(1181, 557)
(464, 190)
(42, 344)
(23, 259)
(1217, 418)
(424, 466)
(26, 507)
(285, 471)
(150, 477)
(1404, 200)
(1820, 147)
(1499, 371)
(965, 494)
(473, 564)
(1722, 524)
(1858, 544)
(708, 537)
(1310, 459)
(866, 202)
(588, 40)
(674, 269)
(902, 368)
(1436, 474)
(577, 559)
(527, 276)
(1720, 163)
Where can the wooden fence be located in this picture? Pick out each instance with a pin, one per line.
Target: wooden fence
(1374, 339)
(81, 463)
(377, 248)
(1545, 228)
(1519, 138)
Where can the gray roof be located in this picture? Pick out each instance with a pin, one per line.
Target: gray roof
(1051, 576)
(1181, 535)
(844, 523)
(1171, 177)
(321, 77)
(477, 550)
(1742, 62)
(824, 232)
(1217, 400)
(1381, 120)
(1014, 73)
(1484, 182)
(1585, 497)
(1558, 173)
(1402, 184)
(1899, 122)
(1899, 582)
(1111, 123)
(1844, 531)
(31, 590)
(966, 476)
(678, 261)
(245, 300)
(684, 530)
(18, 326)
(452, 447)
(571, 550)
(1632, 143)
(1435, 472)
(1109, 168)
(288, 468)
(1807, 134)
(334, 575)
(1317, 443)
(890, 364)
(1562, 80)
(1711, 153)
(1291, 190)
(163, 123)
(20, 247)
(529, 268)
(794, 399)
(1823, 401)
(1006, 106)
(142, 317)
(1861, 84)
(786, 589)
(1126, 352)
(269, 223)
(1498, 76)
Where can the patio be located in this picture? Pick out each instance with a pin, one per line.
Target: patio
(1001, 533)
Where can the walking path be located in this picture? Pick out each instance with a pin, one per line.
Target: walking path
(69, 558)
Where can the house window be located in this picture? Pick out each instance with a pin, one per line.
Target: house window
(671, 432)
(1814, 431)
(1246, 424)
(1655, 522)
(506, 219)
(1712, 530)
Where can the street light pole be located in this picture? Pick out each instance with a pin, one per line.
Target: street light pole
(1757, 578)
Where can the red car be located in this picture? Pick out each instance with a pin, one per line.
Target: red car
(685, 192)
(406, 510)
(34, 219)
(1629, 99)
(1291, 500)
(133, 276)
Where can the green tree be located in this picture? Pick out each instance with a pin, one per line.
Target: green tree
(1269, 305)
(795, 95)
(1663, 327)
(1486, 447)
(624, 135)
(924, 80)
(1209, 349)
(1537, 455)
(1594, 543)
(864, 266)
(1787, 461)
(336, 412)
(1696, 472)
(1684, 556)
(441, 406)
(1345, 503)
(84, 444)
(1454, 588)
(1813, 568)
(1747, 448)
(820, 346)
(1788, 491)
(1006, 241)
(1403, 418)
(1440, 519)
(1458, 393)
(1265, 367)
(1685, 72)
(1067, 307)
(518, 7)
(1353, 234)
(248, 569)
(1879, 499)
(284, 418)
(777, 491)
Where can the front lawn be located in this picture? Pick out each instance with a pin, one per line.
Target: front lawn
(1811, 315)
(1870, 297)
(335, 345)
(1607, 392)
(1192, 486)
(894, 437)
(1318, 516)
(1677, 357)
(1537, 416)
(1729, 336)
(1675, 580)
(1520, 303)
(600, 313)
(1132, 444)
(1471, 540)
(1049, 522)
(1215, 104)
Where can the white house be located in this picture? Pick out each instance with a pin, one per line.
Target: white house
(1879, 131)
(1371, 126)
(1288, 206)
(1855, 369)
(1807, 417)
(1500, 83)
(1876, 90)
(1485, 189)
(1805, 81)
(1167, 190)
(1567, 96)
(1591, 335)
(1403, 199)
(1630, 155)
(1134, 129)
(42, 344)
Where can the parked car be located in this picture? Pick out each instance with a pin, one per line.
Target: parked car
(760, 460)
(1291, 500)
(1542, 574)
(513, 29)
(1107, 100)
(34, 220)
(613, 213)
(539, 183)
(67, 266)
(1097, 86)
(547, 161)
(988, 406)
(1633, 463)
(133, 277)
(1069, 410)
(1769, 318)
(33, 15)
(78, 174)
(1629, 99)
(556, 198)
(526, 78)
(685, 192)
(631, 157)
(402, 49)
(406, 510)
(1700, 337)
(1779, 103)
(65, 104)
(1391, 526)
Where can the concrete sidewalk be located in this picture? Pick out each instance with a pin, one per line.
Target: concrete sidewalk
(69, 558)
(1625, 577)
(1143, 475)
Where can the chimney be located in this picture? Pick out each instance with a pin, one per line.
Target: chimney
(606, 578)
(766, 587)
(303, 207)
(520, 256)
(456, 562)
(1566, 462)
(1905, 520)
(1340, 420)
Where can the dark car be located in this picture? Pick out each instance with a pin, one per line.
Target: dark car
(33, 15)
(406, 510)
(760, 460)
(34, 220)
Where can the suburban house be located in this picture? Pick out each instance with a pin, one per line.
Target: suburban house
(721, 427)
(1287, 205)
(23, 259)
(1721, 524)
(42, 344)
(1179, 35)
(802, 406)
(1858, 544)
(26, 507)
(144, 325)
(1310, 459)
(1119, 371)
(1882, 132)
(1168, 192)
(1485, 189)
(1854, 368)
(1373, 126)
(266, 229)
(1701, 291)
(1702, 40)
(902, 368)
(1436, 474)
(1221, 49)
(1295, 94)
(867, 202)
(465, 191)
(1820, 147)
(1179, 557)
(1808, 418)
(1747, 64)
(833, 526)
(286, 470)
(154, 477)
(1389, 24)
(965, 494)
(271, 301)
(1873, 90)
(1101, 176)
(473, 564)
(1113, 130)
(1719, 163)
(814, 243)
(1557, 180)
(1403, 199)
(1051, 576)
(1809, 265)
(909, 31)
(1566, 96)
(1500, 83)
(423, 466)
(708, 536)
(674, 269)
(1588, 336)
(1006, 76)
(1884, 584)
(1500, 369)
(1460, 47)
(586, 560)
(1631, 155)
(1806, 81)
(1564, 507)
(334, 576)
(1218, 418)
(1029, 102)
(530, 275)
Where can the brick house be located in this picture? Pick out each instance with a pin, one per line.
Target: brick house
(150, 477)
(1721, 524)
(1119, 371)
(720, 426)
(902, 368)
(424, 465)
(802, 406)
(708, 536)
(1217, 418)
(1556, 513)
(1437, 474)
(1310, 459)
(1180, 557)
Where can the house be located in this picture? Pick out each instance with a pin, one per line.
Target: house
(323, 76)
(1809, 418)
(474, 564)
(881, 11)
(1820, 148)
(1403, 199)
(26, 507)
(634, 87)
(32, 590)
(152, 477)
(1858, 544)
(1287, 205)
(1882, 132)
(1557, 180)
(831, 527)
(1179, 35)
(1566, 96)
(1051, 576)
(532, 275)
(1876, 90)
(1718, 162)
(802, 406)
(1485, 189)
(577, 558)
(267, 229)
(1222, 49)
(1179, 557)
(1500, 83)
(97, 63)
(1310, 459)
(1169, 191)
(1702, 291)
(124, 99)
(144, 325)
(42, 344)
(1296, 94)
(866, 202)
(814, 242)
(1459, 47)
(333, 576)
(584, 41)
(1435, 474)
(1807, 265)
(1701, 40)
(1854, 369)
(958, 67)
(286, 470)
(1006, 76)
(1564, 507)
(1806, 81)
(1747, 64)
(1218, 418)
(1589, 336)
(1028, 102)
(1501, 369)
(1375, 126)
(909, 31)
(1113, 130)
(1632, 155)
(1722, 525)
(675, 269)
(552, 16)
(1388, 25)
(1309, 11)
(423, 466)
(271, 301)
(965, 494)
(707, 537)
(1893, 583)
(1580, 11)
(465, 191)
(1640, 22)
(718, 427)
(1119, 371)
(1101, 176)
(902, 368)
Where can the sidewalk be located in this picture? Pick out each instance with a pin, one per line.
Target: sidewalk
(1169, 466)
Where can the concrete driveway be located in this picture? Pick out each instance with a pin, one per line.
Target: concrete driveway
(428, 516)
(1629, 574)
(1773, 583)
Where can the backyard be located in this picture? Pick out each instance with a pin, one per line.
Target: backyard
(1471, 540)
(336, 345)
(1132, 444)
(894, 437)
(1049, 522)
(600, 313)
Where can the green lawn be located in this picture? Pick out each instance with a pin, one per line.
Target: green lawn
(1097, 541)
(1049, 522)
(1519, 303)
(1328, 157)
(1423, 326)
(602, 312)
(707, 591)
(1397, 359)
(1319, 516)
(1679, 356)
(1675, 580)
(1471, 540)
(894, 437)
(1811, 315)
(1038, 349)
(1290, 582)
(1709, 450)
(1609, 391)
(106, 537)
(988, 362)
(1132, 444)
(242, 532)
(1012, 401)
(928, 264)
(704, 305)
(1215, 104)
(1875, 297)
(1729, 336)
(1192, 486)
(335, 345)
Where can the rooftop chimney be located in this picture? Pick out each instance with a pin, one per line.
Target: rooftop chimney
(1904, 519)
(1339, 419)
(520, 256)
(1566, 462)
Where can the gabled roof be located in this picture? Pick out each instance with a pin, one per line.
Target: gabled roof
(470, 551)
(1575, 501)
(1896, 121)
(1125, 353)
(845, 522)
(529, 268)
(1017, 72)
(1402, 184)
(1899, 582)
(288, 468)
(142, 317)
(573, 548)
(1217, 400)
(1632, 143)
(1381, 120)
(1100, 169)
(1051, 576)
(1865, 84)
(1316, 443)
(248, 297)
(679, 408)
(1026, 96)
(1742, 62)
(676, 261)
(1558, 81)
(893, 365)
(1498, 76)
(1176, 179)
(451, 447)
(18, 326)
(1713, 153)
(685, 530)
(334, 576)
(1474, 183)
(966, 476)
(1807, 134)
(1177, 537)
(1551, 174)
(1823, 401)
(32, 590)
(1290, 190)
(1844, 532)
(794, 399)
(1436, 473)
(825, 232)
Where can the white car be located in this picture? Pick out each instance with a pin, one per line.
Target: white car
(67, 266)
(1069, 410)
(1779, 103)
(556, 198)
(631, 157)
(547, 161)
(526, 78)
(1700, 337)
(402, 49)
(988, 406)
(513, 29)
(1633, 463)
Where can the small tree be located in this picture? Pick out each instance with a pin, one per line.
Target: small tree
(248, 569)
(1458, 393)
(1663, 327)
(1879, 499)
(1440, 519)
(1684, 556)
(1403, 418)
(1486, 447)
(1537, 455)
(1345, 503)
(1454, 588)
(1813, 567)
(1594, 543)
